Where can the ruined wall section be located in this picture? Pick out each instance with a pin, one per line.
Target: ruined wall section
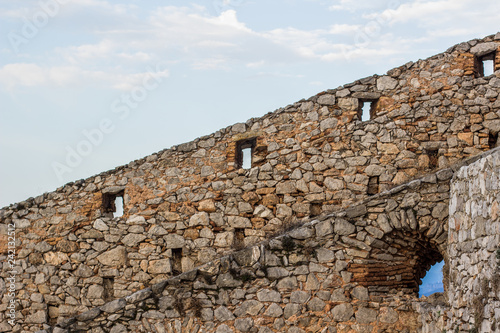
(474, 247)
(309, 158)
(354, 270)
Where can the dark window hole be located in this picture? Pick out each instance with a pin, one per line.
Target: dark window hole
(112, 204)
(433, 158)
(492, 140)
(244, 153)
(239, 238)
(373, 185)
(367, 109)
(177, 261)
(485, 65)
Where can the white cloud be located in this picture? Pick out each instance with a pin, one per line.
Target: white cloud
(354, 5)
(29, 75)
(204, 41)
(339, 29)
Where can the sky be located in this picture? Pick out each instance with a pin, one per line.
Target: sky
(88, 85)
(432, 281)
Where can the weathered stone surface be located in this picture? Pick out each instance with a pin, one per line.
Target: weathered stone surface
(100, 225)
(84, 271)
(484, 48)
(366, 315)
(114, 257)
(334, 184)
(267, 295)
(291, 309)
(356, 211)
(326, 99)
(250, 307)
(159, 266)
(388, 315)
(360, 293)
(243, 324)
(89, 315)
(247, 257)
(239, 222)
(300, 297)
(173, 241)
(386, 83)
(227, 281)
(223, 314)
(440, 211)
(342, 227)
(39, 317)
(325, 255)
(199, 219)
(286, 187)
(324, 228)
(274, 310)
(114, 306)
(316, 304)
(132, 240)
(342, 312)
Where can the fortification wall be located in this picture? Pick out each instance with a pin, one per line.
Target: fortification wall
(351, 271)
(193, 203)
(356, 269)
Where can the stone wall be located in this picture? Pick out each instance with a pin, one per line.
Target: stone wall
(474, 247)
(192, 204)
(355, 270)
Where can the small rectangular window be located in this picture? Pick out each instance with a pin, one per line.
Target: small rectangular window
(119, 207)
(433, 158)
(112, 204)
(366, 109)
(239, 238)
(492, 140)
(373, 187)
(109, 292)
(485, 65)
(176, 261)
(244, 153)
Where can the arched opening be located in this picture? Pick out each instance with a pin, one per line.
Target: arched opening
(432, 282)
(397, 263)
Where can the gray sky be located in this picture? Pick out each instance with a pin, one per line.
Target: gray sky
(87, 85)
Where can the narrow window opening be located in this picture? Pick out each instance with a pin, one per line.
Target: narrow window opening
(373, 185)
(433, 158)
(247, 158)
(485, 65)
(244, 153)
(108, 285)
(112, 204)
(488, 67)
(492, 140)
(367, 109)
(432, 282)
(177, 261)
(119, 207)
(239, 238)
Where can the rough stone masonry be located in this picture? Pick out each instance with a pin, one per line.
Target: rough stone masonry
(330, 229)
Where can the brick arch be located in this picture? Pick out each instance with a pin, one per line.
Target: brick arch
(398, 238)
